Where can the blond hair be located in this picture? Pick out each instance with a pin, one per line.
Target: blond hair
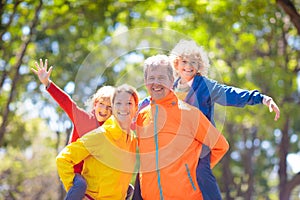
(189, 48)
(105, 92)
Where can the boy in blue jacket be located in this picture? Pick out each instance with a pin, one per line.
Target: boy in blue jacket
(191, 63)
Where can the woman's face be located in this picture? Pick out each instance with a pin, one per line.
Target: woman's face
(102, 109)
(124, 109)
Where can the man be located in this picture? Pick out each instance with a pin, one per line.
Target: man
(171, 134)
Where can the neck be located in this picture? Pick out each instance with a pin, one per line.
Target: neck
(183, 80)
(125, 127)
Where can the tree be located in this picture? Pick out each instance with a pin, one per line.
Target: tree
(251, 45)
(291, 11)
(15, 64)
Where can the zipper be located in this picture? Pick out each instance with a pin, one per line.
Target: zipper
(190, 177)
(156, 153)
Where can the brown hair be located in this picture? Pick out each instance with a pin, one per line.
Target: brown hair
(129, 89)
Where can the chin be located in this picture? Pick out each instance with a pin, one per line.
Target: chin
(102, 119)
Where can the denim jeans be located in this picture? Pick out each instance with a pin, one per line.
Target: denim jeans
(77, 191)
(137, 190)
(206, 180)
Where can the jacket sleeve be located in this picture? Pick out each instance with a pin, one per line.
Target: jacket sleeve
(63, 100)
(218, 150)
(143, 103)
(208, 135)
(83, 121)
(232, 96)
(67, 158)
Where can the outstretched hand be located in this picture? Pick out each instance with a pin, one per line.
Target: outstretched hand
(268, 101)
(42, 73)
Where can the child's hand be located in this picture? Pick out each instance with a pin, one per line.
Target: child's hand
(42, 72)
(268, 101)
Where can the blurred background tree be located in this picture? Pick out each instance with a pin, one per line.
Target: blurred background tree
(252, 44)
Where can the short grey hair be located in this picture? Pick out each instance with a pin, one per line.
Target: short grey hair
(157, 61)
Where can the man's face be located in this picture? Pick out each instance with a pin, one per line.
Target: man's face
(158, 82)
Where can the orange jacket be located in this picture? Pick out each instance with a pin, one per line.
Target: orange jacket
(171, 134)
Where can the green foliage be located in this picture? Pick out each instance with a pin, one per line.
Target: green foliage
(29, 173)
(94, 43)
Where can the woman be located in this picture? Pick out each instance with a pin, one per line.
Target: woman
(108, 152)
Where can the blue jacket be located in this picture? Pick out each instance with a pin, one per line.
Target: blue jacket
(206, 92)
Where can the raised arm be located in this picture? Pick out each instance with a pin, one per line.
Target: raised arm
(61, 97)
(82, 120)
(232, 96)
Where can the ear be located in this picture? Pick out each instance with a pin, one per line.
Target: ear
(175, 63)
(172, 78)
(95, 103)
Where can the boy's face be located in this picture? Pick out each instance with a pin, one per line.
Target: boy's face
(124, 108)
(102, 109)
(158, 82)
(187, 67)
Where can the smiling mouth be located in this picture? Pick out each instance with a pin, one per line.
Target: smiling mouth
(123, 113)
(189, 70)
(102, 115)
(157, 89)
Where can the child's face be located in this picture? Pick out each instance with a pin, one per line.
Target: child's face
(124, 109)
(187, 67)
(102, 109)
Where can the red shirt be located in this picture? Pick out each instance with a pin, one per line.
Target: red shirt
(83, 122)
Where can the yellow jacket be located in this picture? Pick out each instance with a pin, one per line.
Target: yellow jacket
(109, 160)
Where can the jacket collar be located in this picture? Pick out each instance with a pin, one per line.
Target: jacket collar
(170, 100)
(112, 127)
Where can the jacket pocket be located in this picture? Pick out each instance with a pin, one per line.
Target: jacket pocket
(190, 177)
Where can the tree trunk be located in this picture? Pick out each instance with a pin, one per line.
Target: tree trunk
(283, 152)
(16, 76)
(3, 30)
(291, 11)
(227, 177)
(249, 161)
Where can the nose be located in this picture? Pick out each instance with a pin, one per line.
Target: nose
(106, 107)
(124, 107)
(156, 82)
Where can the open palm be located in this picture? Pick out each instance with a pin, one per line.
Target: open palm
(41, 71)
